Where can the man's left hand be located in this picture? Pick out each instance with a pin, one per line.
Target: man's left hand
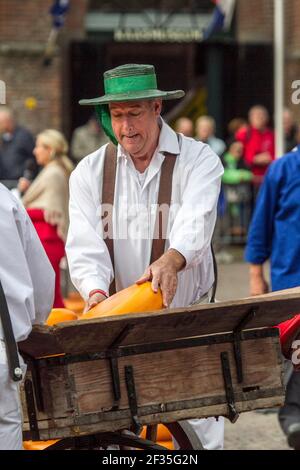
(163, 274)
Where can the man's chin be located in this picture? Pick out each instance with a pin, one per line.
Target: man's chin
(131, 148)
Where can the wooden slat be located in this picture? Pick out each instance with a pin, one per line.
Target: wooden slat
(98, 334)
(65, 429)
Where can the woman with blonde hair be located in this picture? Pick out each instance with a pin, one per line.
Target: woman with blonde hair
(46, 199)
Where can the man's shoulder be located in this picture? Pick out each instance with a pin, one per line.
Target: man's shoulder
(193, 143)
(5, 194)
(217, 139)
(196, 151)
(8, 202)
(23, 132)
(285, 159)
(281, 165)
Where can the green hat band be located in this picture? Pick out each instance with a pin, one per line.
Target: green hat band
(117, 85)
(103, 115)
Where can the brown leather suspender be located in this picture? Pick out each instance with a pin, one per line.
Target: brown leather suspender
(164, 197)
(108, 196)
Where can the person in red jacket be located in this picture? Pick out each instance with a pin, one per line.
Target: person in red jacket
(46, 199)
(259, 143)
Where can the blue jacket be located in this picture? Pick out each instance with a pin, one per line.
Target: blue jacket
(275, 228)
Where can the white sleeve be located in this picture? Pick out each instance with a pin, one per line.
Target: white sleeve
(193, 226)
(88, 258)
(41, 272)
(25, 271)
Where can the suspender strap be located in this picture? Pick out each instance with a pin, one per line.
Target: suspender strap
(108, 195)
(10, 342)
(164, 198)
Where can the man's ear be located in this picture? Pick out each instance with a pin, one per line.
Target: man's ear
(158, 107)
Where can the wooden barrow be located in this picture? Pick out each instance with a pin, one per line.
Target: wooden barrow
(123, 372)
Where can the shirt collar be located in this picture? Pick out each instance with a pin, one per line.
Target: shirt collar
(167, 142)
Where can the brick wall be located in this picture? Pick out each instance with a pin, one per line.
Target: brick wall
(254, 21)
(24, 29)
(24, 20)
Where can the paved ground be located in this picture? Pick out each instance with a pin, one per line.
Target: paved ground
(253, 430)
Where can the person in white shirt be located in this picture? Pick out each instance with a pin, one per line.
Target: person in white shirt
(27, 280)
(130, 115)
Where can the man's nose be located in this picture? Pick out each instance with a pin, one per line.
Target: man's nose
(127, 125)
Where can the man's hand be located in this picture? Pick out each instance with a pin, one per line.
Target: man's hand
(163, 274)
(262, 159)
(258, 284)
(93, 300)
(23, 185)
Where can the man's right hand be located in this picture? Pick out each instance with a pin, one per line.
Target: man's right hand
(23, 185)
(94, 300)
(258, 284)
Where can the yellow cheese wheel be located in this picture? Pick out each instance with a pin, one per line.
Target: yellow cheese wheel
(59, 315)
(38, 445)
(136, 298)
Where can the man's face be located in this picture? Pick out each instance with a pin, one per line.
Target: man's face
(135, 125)
(186, 127)
(258, 118)
(204, 130)
(236, 149)
(6, 122)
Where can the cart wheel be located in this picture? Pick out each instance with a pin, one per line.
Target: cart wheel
(185, 435)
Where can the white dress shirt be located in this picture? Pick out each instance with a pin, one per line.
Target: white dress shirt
(195, 189)
(26, 274)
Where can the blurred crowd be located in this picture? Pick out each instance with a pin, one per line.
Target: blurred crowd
(246, 153)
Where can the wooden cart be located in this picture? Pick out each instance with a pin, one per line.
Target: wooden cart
(89, 380)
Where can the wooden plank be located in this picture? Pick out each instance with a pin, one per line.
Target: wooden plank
(98, 334)
(41, 342)
(64, 428)
(169, 384)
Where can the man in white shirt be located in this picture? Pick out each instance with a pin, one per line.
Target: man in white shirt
(130, 115)
(27, 280)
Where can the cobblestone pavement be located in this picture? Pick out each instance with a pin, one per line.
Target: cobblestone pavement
(253, 430)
